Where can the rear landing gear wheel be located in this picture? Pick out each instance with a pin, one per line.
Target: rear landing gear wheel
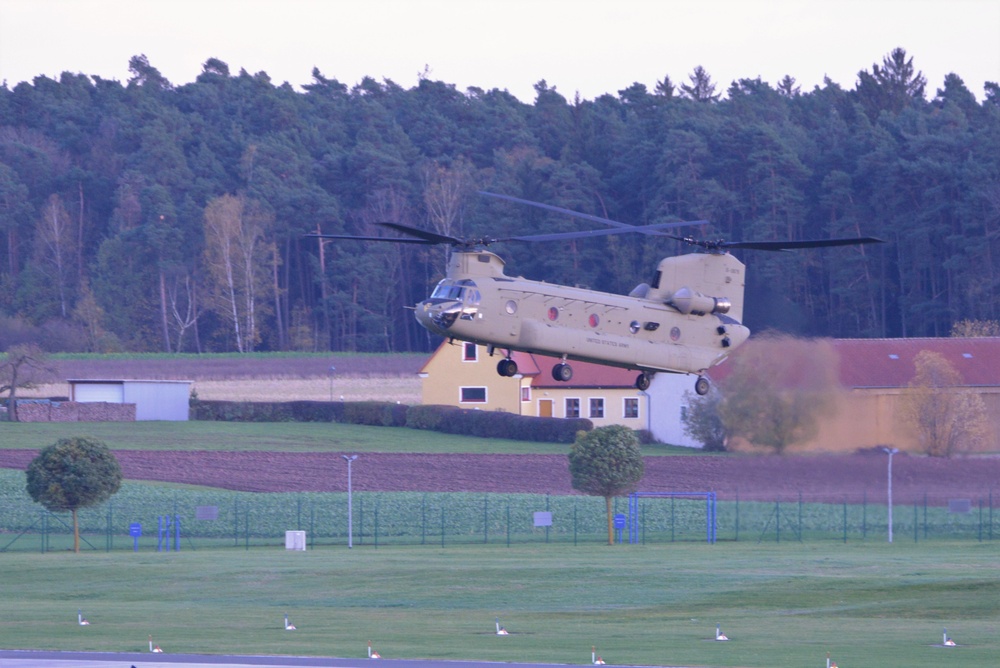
(562, 372)
(701, 386)
(642, 381)
(507, 368)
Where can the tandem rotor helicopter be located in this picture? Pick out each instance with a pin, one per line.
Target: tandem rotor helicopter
(686, 320)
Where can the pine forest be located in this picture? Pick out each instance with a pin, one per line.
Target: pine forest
(146, 216)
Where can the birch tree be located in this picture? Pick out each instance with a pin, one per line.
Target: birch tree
(55, 250)
(236, 257)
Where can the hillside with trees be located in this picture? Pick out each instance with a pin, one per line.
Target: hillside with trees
(149, 216)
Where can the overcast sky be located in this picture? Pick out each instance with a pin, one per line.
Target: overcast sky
(584, 47)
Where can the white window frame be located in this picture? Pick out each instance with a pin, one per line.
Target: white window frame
(526, 393)
(463, 400)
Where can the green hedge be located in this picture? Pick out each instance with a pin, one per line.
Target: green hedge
(446, 419)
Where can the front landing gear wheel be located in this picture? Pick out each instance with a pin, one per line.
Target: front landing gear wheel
(701, 386)
(507, 368)
(562, 372)
(642, 382)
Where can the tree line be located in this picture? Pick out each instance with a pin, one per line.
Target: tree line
(148, 216)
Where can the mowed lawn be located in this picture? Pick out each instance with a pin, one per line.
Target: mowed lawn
(262, 436)
(870, 604)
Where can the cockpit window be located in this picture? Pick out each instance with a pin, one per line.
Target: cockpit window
(456, 290)
(448, 290)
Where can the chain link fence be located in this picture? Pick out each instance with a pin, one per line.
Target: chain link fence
(148, 517)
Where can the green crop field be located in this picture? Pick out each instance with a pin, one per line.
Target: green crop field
(789, 605)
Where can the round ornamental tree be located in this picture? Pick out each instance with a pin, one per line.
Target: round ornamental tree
(607, 462)
(73, 473)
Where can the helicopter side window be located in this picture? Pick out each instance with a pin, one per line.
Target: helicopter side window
(656, 279)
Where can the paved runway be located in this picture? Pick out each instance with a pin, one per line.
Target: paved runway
(39, 659)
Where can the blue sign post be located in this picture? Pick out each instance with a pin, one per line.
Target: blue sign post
(135, 530)
(619, 521)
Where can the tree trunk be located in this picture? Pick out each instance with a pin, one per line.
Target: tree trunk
(611, 525)
(76, 533)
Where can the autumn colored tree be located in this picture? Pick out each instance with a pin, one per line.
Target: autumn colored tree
(237, 261)
(22, 367)
(777, 390)
(947, 417)
(607, 462)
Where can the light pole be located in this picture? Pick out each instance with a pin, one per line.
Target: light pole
(890, 452)
(332, 370)
(350, 514)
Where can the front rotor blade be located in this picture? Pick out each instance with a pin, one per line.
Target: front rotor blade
(584, 234)
(359, 238)
(643, 229)
(427, 236)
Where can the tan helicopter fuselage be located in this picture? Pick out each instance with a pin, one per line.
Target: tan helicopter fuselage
(685, 322)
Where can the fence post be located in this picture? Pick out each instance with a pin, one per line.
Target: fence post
(508, 521)
(486, 518)
(442, 523)
(423, 519)
(800, 517)
(575, 527)
(845, 521)
(916, 518)
(777, 518)
(925, 515)
(980, 519)
(864, 515)
(737, 538)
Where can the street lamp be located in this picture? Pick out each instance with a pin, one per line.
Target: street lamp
(890, 452)
(350, 514)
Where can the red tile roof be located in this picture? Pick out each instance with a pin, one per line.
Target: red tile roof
(585, 374)
(888, 363)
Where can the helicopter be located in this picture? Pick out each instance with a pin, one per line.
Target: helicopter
(686, 320)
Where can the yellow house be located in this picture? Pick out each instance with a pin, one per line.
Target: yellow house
(465, 375)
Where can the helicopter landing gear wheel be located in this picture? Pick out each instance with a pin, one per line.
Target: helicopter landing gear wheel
(562, 372)
(507, 367)
(701, 386)
(642, 381)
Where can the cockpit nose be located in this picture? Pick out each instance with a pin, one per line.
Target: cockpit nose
(438, 315)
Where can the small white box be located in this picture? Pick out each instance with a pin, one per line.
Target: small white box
(295, 540)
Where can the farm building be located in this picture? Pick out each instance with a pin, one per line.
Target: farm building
(153, 399)
(873, 374)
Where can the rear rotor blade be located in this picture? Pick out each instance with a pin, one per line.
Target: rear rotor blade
(792, 245)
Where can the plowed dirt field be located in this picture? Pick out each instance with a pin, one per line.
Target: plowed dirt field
(830, 478)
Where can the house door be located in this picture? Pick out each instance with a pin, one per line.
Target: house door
(545, 408)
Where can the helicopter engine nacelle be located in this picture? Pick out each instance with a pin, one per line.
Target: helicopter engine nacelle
(689, 302)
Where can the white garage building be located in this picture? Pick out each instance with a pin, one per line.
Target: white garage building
(153, 399)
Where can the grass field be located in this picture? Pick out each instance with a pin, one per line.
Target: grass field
(266, 436)
(867, 605)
